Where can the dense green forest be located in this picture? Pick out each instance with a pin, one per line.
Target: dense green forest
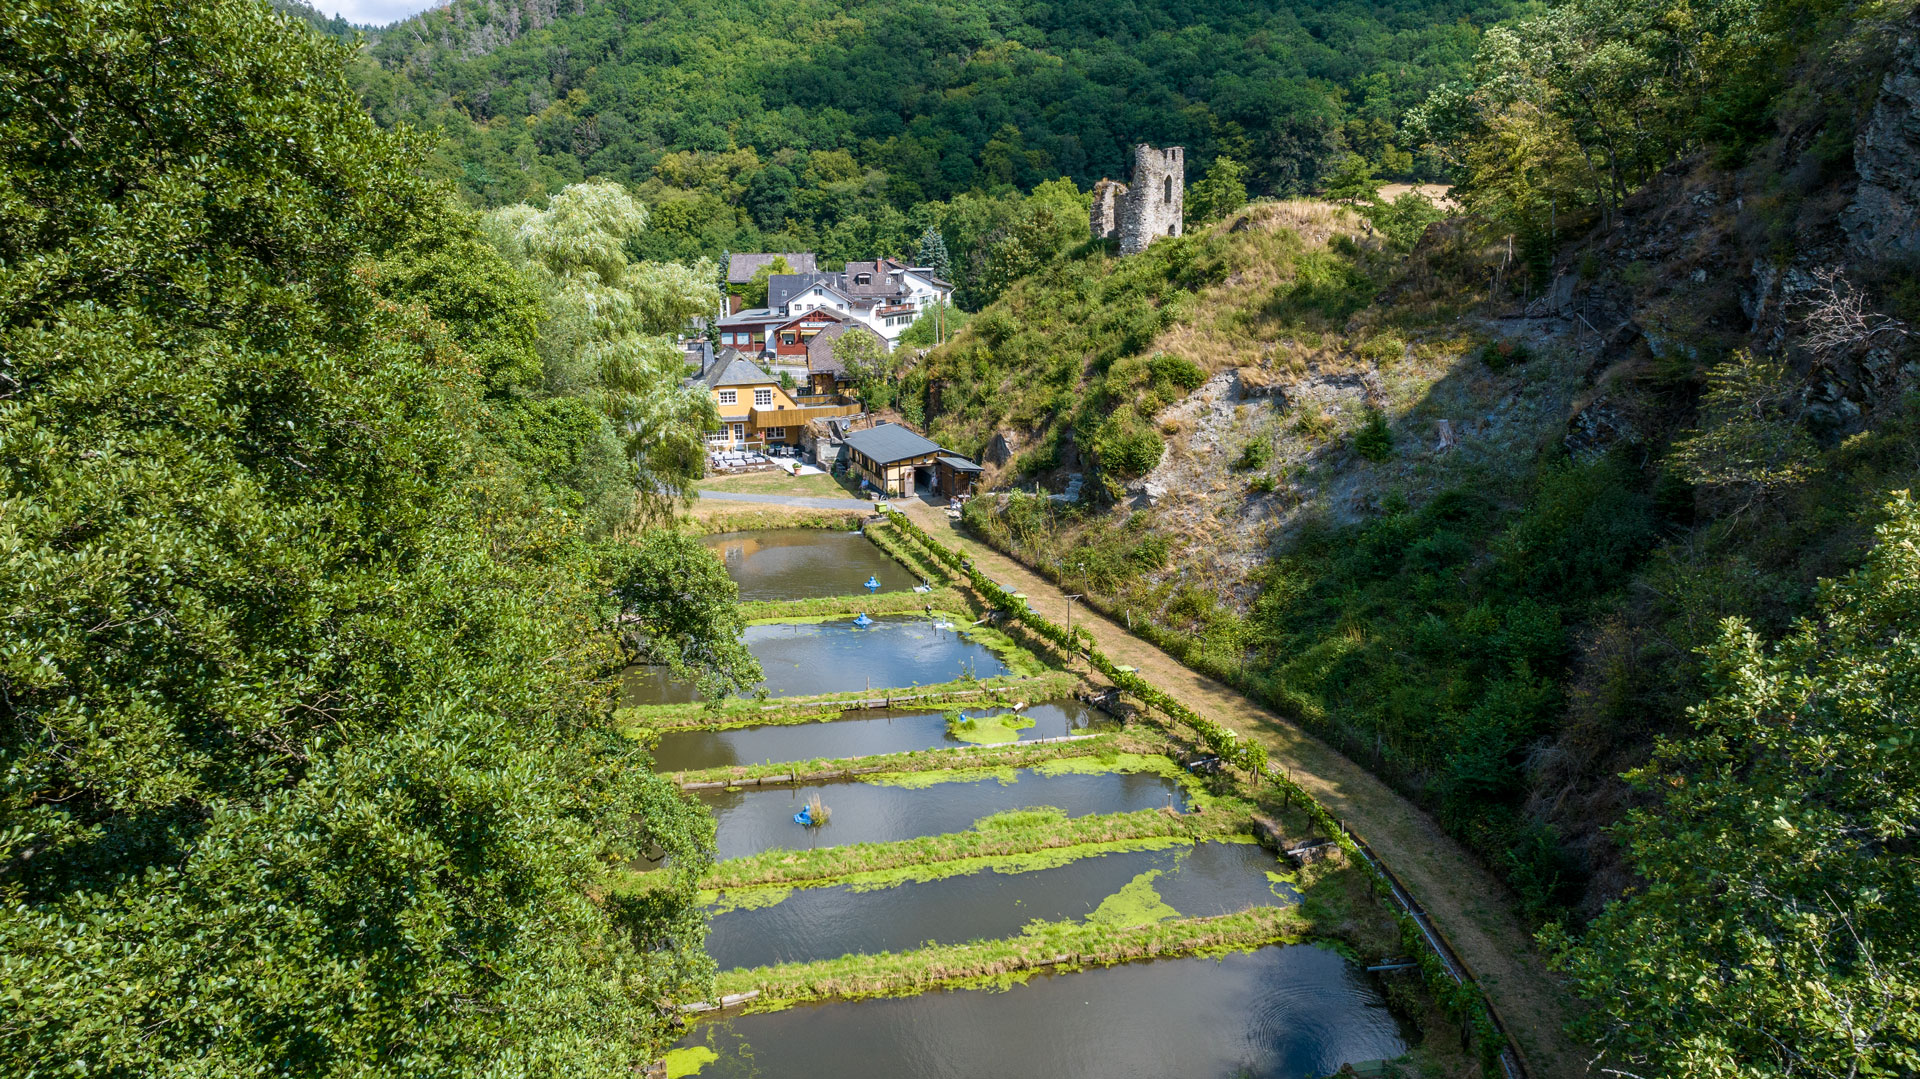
(312, 618)
(849, 128)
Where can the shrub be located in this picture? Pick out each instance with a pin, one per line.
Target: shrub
(1502, 355)
(1178, 370)
(1130, 453)
(1374, 440)
(1255, 455)
(1262, 484)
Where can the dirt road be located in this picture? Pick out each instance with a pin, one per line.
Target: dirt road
(1466, 901)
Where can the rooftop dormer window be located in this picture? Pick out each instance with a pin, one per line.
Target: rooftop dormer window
(863, 279)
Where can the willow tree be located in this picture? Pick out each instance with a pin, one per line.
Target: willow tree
(609, 331)
(305, 766)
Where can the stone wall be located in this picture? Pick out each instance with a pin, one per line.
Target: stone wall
(1151, 207)
(1109, 199)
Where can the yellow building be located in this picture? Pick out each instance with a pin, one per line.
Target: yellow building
(754, 410)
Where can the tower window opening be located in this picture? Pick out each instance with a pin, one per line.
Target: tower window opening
(1166, 189)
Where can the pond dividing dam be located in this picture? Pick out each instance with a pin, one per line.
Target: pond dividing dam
(1270, 1012)
(858, 734)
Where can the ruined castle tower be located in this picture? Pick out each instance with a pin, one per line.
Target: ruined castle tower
(1151, 207)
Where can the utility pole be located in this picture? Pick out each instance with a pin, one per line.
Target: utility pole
(1070, 649)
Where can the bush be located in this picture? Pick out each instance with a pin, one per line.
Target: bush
(1255, 455)
(1130, 453)
(1178, 370)
(1502, 355)
(1374, 440)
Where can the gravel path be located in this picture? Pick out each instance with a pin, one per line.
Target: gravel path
(1466, 901)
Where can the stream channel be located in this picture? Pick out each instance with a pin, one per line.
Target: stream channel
(1279, 1012)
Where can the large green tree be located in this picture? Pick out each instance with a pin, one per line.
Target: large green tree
(1778, 925)
(305, 765)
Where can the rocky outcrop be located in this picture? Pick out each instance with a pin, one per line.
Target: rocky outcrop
(1883, 221)
(1001, 449)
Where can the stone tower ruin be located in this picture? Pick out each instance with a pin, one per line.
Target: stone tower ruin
(1151, 207)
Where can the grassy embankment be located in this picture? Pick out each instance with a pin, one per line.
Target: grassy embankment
(1105, 747)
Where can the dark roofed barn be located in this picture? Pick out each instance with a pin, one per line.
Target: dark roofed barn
(894, 459)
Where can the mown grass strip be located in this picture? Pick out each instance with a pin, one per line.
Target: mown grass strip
(1043, 946)
(918, 563)
(823, 608)
(1015, 832)
(753, 711)
(1003, 755)
(1023, 862)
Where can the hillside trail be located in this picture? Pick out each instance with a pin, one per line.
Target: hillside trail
(1471, 906)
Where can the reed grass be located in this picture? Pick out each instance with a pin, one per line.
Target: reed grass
(1015, 832)
(1062, 945)
(1000, 755)
(754, 711)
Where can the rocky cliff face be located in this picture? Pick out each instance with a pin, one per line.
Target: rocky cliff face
(1883, 221)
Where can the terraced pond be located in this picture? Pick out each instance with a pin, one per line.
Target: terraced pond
(805, 563)
(757, 819)
(838, 656)
(866, 733)
(1274, 1013)
(1271, 1013)
(1120, 888)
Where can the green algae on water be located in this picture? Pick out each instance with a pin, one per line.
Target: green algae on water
(1138, 902)
(684, 1063)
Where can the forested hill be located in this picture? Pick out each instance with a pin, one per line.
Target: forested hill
(758, 105)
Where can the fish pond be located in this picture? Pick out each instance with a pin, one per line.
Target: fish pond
(867, 733)
(1121, 888)
(839, 656)
(806, 563)
(757, 819)
(1274, 1013)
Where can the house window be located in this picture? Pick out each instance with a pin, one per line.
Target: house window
(739, 432)
(762, 398)
(863, 279)
(729, 397)
(776, 432)
(787, 339)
